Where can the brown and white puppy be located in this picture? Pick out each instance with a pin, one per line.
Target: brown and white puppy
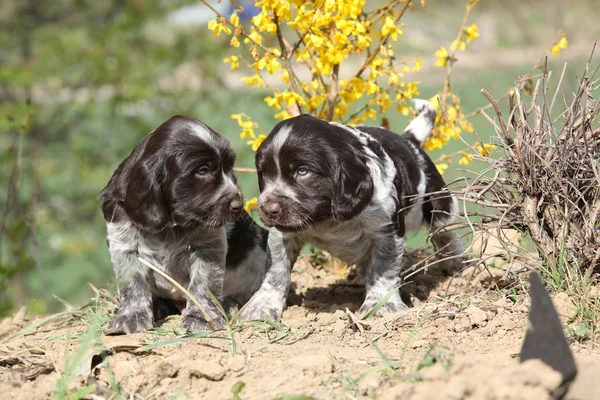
(175, 203)
(353, 191)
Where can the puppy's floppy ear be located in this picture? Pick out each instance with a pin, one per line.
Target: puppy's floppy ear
(353, 187)
(144, 202)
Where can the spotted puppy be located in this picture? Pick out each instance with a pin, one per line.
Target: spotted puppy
(353, 192)
(175, 203)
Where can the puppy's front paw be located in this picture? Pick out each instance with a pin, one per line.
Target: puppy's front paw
(262, 306)
(194, 321)
(393, 305)
(130, 322)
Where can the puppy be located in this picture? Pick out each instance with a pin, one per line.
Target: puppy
(354, 192)
(175, 203)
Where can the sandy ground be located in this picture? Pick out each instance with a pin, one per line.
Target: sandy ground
(458, 341)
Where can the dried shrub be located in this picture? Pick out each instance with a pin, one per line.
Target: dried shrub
(546, 183)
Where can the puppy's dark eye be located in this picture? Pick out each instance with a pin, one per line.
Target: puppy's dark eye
(302, 172)
(202, 171)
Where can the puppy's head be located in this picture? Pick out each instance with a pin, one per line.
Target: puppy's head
(181, 174)
(309, 171)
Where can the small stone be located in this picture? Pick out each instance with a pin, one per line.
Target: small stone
(565, 307)
(166, 381)
(210, 370)
(236, 363)
(462, 325)
(339, 327)
(477, 316)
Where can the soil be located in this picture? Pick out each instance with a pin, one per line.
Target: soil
(459, 340)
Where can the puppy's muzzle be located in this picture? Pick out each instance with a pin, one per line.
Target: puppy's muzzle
(272, 208)
(236, 203)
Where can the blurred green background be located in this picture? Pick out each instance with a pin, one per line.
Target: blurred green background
(82, 81)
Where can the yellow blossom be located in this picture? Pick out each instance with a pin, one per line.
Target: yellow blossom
(485, 149)
(253, 37)
(471, 33)
(441, 167)
(443, 57)
(561, 44)
(459, 43)
(255, 142)
(234, 60)
(465, 159)
(389, 28)
(273, 102)
(418, 65)
(283, 115)
(316, 41)
(251, 205)
(371, 113)
(217, 26)
(253, 81)
(235, 19)
(319, 37)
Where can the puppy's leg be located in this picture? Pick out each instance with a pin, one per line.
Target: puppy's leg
(135, 310)
(207, 270)
(283, 250)
(382, 274)
(135, 297)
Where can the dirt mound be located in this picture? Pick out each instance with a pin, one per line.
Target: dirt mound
(459, 341)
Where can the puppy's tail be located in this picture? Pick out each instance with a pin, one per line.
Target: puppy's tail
(420, 128)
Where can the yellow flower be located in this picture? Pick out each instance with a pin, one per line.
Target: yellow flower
(235, 19)
(316, 41)
(237, 117)
(485, 150)
(441, 168)
(253, 37)
(217, 26)
(251, 204)
(283, 115)
(418, 65)
(255, 143)
(234, 42)
(269, 27)
(273, 102)
(234, 60)
(465, 159)
(471, 32)
(403, 109)
(371, 113)
(443, 57)
(561, 44)
(389, 28)
(269, 63)
(458, 43)
(252, 81)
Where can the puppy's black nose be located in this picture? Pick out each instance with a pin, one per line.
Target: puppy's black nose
(271, 208)
(235, 205)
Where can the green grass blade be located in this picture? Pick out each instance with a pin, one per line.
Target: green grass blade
(237, 388)
(218, 304)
